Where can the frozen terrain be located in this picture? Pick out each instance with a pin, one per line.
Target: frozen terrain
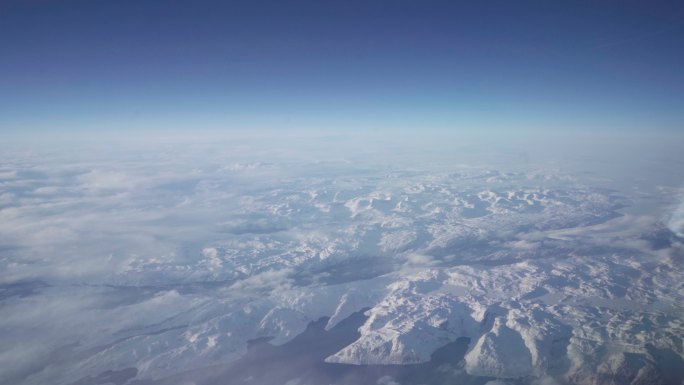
(170, 264)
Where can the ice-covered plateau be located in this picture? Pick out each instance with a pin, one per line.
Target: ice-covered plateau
(548, 278)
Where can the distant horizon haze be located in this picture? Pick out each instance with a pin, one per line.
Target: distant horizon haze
(125, 66)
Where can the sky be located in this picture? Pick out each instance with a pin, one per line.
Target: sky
(384, 66)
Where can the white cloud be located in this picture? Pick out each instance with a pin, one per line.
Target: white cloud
(387, 380)
(419, 260)
(676, 220)
(264, 282)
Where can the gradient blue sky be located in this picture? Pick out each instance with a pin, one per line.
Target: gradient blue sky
(239, 65)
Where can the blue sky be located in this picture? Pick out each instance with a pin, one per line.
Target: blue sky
(98, 65)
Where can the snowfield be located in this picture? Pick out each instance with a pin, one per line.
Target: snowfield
(168, 264)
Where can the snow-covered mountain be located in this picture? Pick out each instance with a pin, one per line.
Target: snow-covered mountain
(160, 274)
